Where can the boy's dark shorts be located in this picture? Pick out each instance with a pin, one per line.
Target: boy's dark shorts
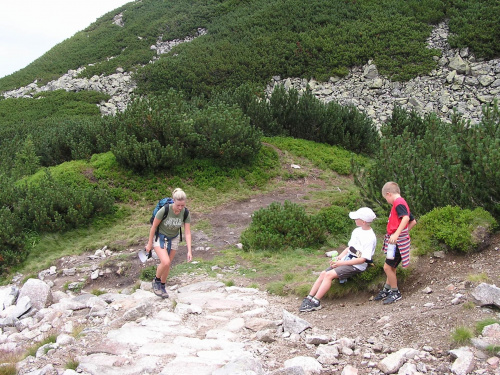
(344, 272)
(394, 262)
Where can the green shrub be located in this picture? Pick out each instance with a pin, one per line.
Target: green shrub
(306, 117)
(224, 134)
(451, 227)
(280, 227)
(148, 273)
(165, 131)
(336, 221)
(436, 163)
(50, 205)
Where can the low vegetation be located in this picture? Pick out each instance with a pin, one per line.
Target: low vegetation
(71, 180)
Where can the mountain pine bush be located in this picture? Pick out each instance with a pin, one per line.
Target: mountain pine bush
(437, 163)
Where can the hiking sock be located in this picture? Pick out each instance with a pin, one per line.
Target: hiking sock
(163, 284)
(157, 280)
(387, 287)
(315, 300)
(309, 297)
(394, 290)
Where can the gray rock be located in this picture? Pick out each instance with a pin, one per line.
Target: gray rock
(350, 370)
(370, 72)
(259, 324)
(464, 363)
(317, 339)
(265, 336)
(487, 294)
(295, 370)
(38, 293)
(393, 362)
(23, 305)
(8, 296)
(486, 80)
(309, 365)
(294, 324)
(139, 311)
(241, 366)
(458, 64)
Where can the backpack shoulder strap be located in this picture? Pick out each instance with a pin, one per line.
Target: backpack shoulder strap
(186, 213)
(165, 214)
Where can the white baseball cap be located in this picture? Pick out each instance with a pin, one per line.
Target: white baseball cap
(364, 213)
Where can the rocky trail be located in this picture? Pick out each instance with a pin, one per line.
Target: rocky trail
(206, 327)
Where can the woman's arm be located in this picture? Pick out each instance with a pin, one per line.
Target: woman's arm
(152, 232)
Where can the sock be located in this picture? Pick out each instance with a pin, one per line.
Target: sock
(387, 287)
(315, 300)
(394, 289)
(309, 297)
(162, 284)
(157, 279)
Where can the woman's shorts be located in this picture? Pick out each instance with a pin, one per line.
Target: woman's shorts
(171, 242)
(394, 262)
(344, 272)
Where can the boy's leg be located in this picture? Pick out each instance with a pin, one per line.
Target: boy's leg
(317, 283)
(325, 284)
(392, 279)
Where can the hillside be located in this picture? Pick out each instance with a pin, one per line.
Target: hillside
(253, 41)
(205, 326)
(244, 104)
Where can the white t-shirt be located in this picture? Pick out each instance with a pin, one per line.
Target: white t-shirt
(364, 241)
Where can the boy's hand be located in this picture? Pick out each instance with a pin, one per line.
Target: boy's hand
(335, 264)
(393, 238)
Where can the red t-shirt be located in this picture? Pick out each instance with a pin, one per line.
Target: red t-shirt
(399, 209)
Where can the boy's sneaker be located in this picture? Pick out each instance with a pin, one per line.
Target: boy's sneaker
(164, 293)
(384, 293)
(157, 288)
(310, 305)
(393, 297)
(304, 303)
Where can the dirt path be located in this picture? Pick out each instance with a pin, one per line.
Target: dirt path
(418, 319)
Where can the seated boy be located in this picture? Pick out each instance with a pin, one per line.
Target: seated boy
(351, 261)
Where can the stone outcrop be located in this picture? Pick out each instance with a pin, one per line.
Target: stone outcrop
(459, 83)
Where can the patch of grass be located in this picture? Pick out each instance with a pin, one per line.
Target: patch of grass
(478, 277)
(49, 339)
(76, 289)
(493, 349)
(253, 286)
(229, 283)
(321, 155)
(485, 322)
(204, 226)
(72, 364)
(8, 369)
(277, 288)
(469, 305)
(77, 331)
(462, 335)
(98, 292)
(8, 362)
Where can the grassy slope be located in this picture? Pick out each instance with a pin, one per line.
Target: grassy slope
(254, 40)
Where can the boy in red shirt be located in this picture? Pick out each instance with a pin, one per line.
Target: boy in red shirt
(398, 228)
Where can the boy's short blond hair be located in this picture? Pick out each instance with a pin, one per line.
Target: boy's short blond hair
(391, 187)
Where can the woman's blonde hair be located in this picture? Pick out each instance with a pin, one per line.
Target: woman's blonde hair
(391, 187)
(179, 195)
